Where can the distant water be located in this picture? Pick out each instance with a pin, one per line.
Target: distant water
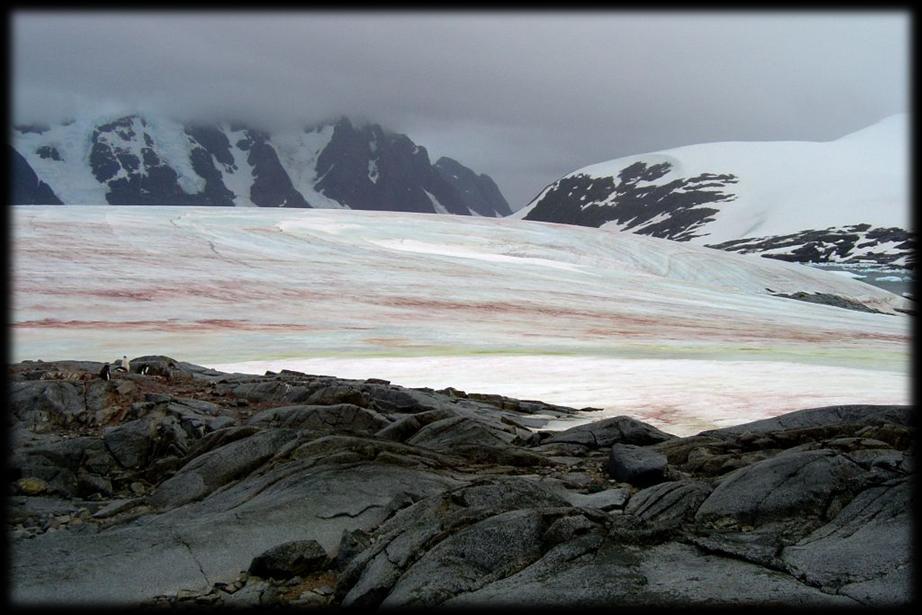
(895, 280)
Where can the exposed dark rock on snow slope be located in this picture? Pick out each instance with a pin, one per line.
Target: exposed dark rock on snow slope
(855, 244)
(26, 187)
(842, 201)
(135, 160)
(671, 209)
(183, 485)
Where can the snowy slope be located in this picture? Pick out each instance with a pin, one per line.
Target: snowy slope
(718, 192)
(237, 177)
(677, 333)
(68, 171)
(298, 152)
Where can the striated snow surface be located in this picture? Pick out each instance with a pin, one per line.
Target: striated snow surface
(682, 336)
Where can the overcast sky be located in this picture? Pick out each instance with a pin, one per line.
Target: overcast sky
(523, 97)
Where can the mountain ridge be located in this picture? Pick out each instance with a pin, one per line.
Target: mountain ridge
(135, 159)
(722, 193)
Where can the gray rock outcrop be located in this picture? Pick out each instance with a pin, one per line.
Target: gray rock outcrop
(179, 485)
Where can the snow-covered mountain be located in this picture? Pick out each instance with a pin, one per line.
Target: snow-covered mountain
(843, 201)
(147, 160)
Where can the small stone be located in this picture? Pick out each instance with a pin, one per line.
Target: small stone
(228, 588)
(310, 599)
(126, 388)
(209, 598)
(31, 486)
(324, 590)
(115, 507)
(577, 480)
(294, 581)
(607, 499)
(138, 488)
(21, 532)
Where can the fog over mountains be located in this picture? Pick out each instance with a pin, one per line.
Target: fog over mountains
(147, 160)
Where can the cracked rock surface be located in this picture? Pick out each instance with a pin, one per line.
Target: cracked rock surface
(187, 486)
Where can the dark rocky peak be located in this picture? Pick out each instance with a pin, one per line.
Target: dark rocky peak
(26, 187)
(213, 140)
(450, 166)
(366, 167)
(681, 206)
(49, 152)
(211, 145)
(640, 171)
(131, 180)
(271, 185)
(479, 193)
(401, 147)
(36, 128)
(854, 244)
(362, 166)
(123, 127)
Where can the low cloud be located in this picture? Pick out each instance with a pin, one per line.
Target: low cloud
(524, 97)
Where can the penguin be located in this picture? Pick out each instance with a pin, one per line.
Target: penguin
(104, 372)
(126, 364)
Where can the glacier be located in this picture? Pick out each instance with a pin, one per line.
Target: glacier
(678, 335)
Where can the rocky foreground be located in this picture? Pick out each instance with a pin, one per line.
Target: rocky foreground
(187, 486)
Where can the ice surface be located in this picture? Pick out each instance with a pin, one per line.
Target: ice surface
(683, 336)
(680, 396)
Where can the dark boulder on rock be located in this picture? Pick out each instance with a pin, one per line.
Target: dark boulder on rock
(290, 559)
(604, 433)
(471, 558)
(863, 415)
(449, 433)
(330, 395)
(636, 465)
(130, 443)
(339, 418)
(44, 404)
(804, 483)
